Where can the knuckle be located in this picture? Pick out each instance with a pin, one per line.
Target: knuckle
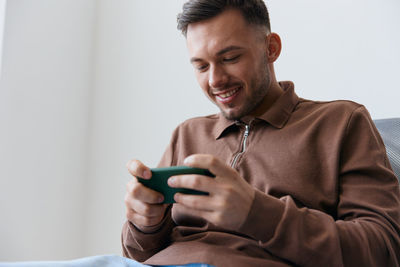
(129, 214)
(195, 182)
(213, 161)
(229, 190)
(146, 209)
(217, 218)
(133, 163)
(194, 203)
(135, 190)
(135, 167)
(223, 203)
(154, 197)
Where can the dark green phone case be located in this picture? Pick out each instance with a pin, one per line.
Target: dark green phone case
(158, 181)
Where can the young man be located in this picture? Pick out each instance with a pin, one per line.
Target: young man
(298, 182)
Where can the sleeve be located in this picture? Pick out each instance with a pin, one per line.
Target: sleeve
(139, 245)
(366, 229)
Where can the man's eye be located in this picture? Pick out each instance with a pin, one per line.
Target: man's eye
(201, 67)
(230, 59)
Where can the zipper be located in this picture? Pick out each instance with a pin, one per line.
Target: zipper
(245, 135)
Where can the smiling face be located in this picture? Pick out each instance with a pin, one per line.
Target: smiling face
(230, 61)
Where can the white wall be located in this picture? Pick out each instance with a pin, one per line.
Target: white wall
(2, 16)
(44, 102)
(341, 50)
(125, 103)
(143, 81)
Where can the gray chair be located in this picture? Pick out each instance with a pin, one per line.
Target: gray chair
(390, 132)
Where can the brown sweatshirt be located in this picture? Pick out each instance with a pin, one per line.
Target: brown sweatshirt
(325, 191)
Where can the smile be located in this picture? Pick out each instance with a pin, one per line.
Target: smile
(227, 96)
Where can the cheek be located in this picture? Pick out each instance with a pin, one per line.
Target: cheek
(203, 82)
(239, 73)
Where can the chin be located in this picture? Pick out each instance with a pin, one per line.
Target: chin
(232, 115)
(237, 113)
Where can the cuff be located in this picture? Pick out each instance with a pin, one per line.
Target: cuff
(264, 217)
(150, 238)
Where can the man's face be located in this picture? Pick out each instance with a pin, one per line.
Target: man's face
(229, 57)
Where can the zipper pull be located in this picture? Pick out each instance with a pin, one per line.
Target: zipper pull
(246, 131)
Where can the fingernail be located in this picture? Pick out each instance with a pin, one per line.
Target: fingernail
(171, 181)
(146, 174)
(187, 160)
(160, 199)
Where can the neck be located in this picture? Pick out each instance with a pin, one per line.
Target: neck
(274, 92)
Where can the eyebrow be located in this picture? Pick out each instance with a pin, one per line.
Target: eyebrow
(219, 53)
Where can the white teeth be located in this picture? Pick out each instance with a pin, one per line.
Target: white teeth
(228, 94)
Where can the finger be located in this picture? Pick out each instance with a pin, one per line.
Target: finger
(214, 217)
(140, 192)
(205, 214)
(140, 220)
(192, 181)
(195, 202)
(137, 168)
(205, 161)
(145, 209)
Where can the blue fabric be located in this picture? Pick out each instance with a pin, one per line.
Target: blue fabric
(186, 265)
(101, 261)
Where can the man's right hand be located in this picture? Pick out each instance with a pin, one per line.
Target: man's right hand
(143, 205)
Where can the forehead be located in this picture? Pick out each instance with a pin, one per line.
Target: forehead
(227, 29)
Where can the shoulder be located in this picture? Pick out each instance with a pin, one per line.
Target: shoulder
(334, 117)
(336, 106)
(336, 110)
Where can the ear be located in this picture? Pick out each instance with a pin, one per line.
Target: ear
(274, 47)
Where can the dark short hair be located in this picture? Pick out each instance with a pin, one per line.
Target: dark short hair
(254, 12)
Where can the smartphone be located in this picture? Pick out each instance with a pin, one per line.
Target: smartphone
(158, 181)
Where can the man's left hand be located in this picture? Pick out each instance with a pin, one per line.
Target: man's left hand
(230, 196)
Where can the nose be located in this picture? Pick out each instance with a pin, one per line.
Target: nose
(217, 77)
